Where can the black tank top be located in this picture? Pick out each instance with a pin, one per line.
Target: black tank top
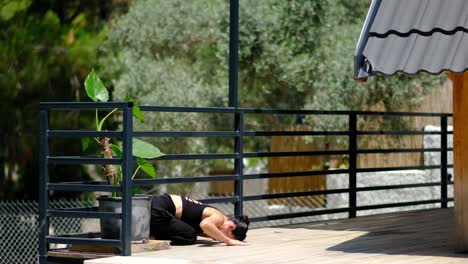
(192, 213)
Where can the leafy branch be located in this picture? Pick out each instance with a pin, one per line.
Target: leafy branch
(142, 150)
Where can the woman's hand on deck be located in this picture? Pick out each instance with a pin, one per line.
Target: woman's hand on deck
(233, 242)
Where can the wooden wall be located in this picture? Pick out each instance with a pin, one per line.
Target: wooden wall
(296, 164)
(439, 100)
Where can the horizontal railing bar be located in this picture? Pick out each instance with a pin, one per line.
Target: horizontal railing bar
(291, 112)
(82, 160)
(184, 180)
(248, 133)
(185, 134)
(397, 132)
(380, 113)
(389, 205)
(282, 111)
(83, 214)
(181, 109)
(449, 166)
(109, 105)
(292, 174)
(401, 186)
(85, 182)
(299, 214)
(219, 200)
(295, 154)
(81, 133)
(103, 161)
(82, 241)
(238, 110)
(83, 105)
(268, 175)
(293, 194)
(83, 187)
(398, 168)
(80, 209)
(336, 133)
(196, 156)
(83, 235)
(409, 150)
(294, 133)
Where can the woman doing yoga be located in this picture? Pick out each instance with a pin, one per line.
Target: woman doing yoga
(180, 219)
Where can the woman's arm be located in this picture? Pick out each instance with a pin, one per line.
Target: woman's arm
(210, 226)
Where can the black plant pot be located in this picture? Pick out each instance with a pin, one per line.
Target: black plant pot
(141, 213)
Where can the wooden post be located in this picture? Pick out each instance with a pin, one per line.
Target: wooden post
(460, 144)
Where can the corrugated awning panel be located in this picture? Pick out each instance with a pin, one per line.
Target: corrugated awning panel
(413, 35)
(406, 16)
(434, 54)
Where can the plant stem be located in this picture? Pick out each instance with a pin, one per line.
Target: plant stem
(118, 177)
(97, 121)
(104, 119)
(134, 174)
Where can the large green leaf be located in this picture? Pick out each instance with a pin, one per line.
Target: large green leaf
(9, 9)
(147, 167)
(95, 88)
(136, 109)
(85, 143)
(145, 150)
(140, 149)
(117, 149)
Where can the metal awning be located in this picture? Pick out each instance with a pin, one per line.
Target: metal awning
(411, 36)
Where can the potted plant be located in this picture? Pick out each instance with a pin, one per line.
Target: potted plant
(141, 205)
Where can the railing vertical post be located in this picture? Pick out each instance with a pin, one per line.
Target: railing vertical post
(126, 230)
(352, 163)
(233, 52)
(43, 180)
(238, 164)
(233, 101)
(443, 161)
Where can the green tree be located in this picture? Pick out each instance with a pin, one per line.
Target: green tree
(293, 54)
(46, 49)
(167, 55)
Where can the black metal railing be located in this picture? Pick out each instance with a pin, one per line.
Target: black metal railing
(45, 212)
(237, 134)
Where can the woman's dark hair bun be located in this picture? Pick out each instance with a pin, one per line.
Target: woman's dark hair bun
(242, 226)
(245, 219)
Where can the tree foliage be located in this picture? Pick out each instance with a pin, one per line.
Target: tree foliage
(46, 49)
(293, 54)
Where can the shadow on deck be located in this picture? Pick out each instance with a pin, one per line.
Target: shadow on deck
(420, 233)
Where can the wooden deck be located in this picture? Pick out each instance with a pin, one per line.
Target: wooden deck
(423, 237)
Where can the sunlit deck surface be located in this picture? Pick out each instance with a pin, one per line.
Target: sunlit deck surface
(408, 237)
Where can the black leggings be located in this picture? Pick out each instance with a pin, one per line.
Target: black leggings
(165, 226)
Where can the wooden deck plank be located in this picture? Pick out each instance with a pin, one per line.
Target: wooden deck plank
(423, 237)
